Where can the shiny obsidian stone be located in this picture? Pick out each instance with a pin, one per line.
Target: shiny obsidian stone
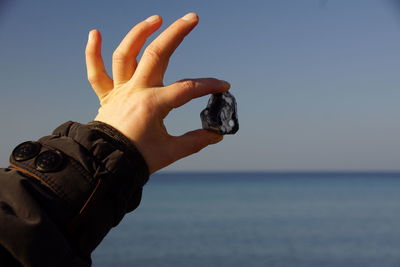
(26, 150)
(220, 115)
(49, 161)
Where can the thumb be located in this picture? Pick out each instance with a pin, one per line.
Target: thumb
(194, 141)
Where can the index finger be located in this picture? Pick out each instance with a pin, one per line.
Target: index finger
(181, 92)
(153, 64)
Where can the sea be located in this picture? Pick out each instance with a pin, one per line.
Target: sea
(274, 219)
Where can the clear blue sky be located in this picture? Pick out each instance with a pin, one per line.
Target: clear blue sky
(317, 82)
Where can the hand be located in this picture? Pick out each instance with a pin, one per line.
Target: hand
(135, 101)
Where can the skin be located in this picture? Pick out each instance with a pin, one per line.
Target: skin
(135, 101)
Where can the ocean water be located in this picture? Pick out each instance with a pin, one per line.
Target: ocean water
(260, 219)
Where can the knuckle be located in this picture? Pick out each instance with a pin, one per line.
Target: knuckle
(154, 51)
(94, 78)
(119, 56)
(188, 84)
(91, 52)
(197, 148)
(140, 29)
(197, 144)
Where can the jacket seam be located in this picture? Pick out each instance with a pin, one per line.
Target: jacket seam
(56, 188)
(32, 175)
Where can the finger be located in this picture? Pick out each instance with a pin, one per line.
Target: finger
(96, 72)
(124, 57)
(154, 62)
(181, 92)
(192, 142)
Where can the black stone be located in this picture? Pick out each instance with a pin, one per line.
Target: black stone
(220, 115)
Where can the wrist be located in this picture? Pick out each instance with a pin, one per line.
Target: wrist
(113, 135)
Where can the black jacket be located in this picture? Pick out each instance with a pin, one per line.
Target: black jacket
(62, 194)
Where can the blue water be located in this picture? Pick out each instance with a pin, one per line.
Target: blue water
(260, 219)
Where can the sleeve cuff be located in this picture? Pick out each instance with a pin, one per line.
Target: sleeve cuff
(99, 179)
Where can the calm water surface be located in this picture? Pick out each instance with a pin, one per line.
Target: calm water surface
(260, 219)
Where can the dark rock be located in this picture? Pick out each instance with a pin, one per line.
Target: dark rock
(220, 115)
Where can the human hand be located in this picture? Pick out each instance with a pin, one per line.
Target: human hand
(135, 101)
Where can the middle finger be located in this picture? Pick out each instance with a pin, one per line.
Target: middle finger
(154, 62)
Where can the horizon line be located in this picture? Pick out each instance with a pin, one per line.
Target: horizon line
(282, 171)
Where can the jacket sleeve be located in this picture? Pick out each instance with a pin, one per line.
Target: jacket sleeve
(62, 194)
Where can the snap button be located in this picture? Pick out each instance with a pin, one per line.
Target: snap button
(26, 150)
(49, 161)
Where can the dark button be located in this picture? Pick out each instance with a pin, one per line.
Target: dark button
(26, 150)
(49, 161)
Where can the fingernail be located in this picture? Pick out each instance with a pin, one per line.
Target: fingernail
(190, 16)
(226, 84)
(90, 36)
(218, 138)
(153, 18)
